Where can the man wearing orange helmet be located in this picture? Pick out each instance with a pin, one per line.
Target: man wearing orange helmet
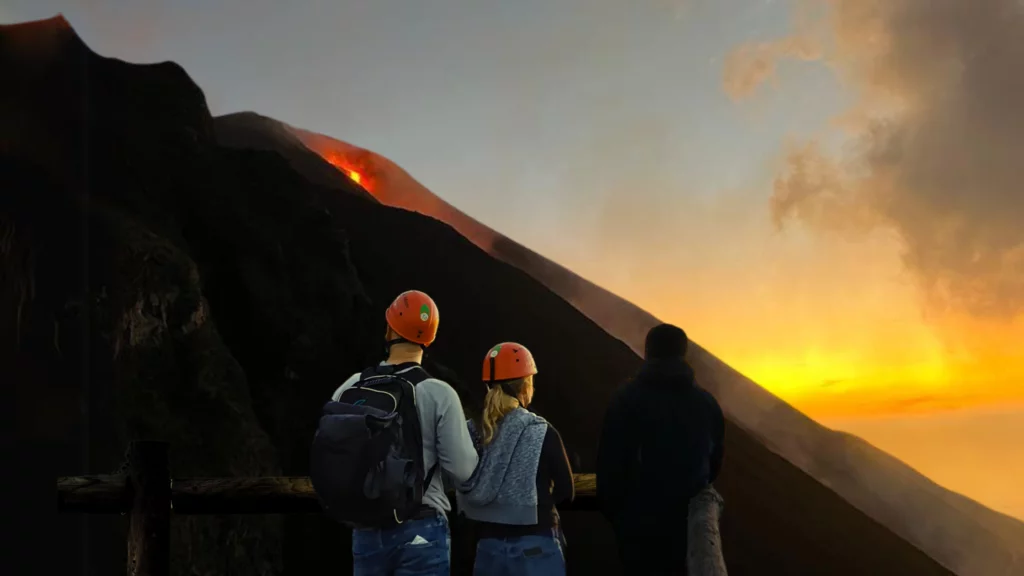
(523, 473)
(393, 499)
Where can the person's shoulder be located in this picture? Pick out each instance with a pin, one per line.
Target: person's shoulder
(625, 395)
(345, 385)
(551, 434)
(435, 383)
(708, 398)
(536, 418)
(437, 389)
(552, 431)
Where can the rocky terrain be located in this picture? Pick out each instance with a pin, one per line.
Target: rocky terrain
(959, 532)
(159, 281)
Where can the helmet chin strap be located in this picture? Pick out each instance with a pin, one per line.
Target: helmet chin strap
(388, 344)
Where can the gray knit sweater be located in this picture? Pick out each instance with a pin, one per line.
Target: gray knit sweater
(503, 489)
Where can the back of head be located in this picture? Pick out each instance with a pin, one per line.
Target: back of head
(665, 341)
(508, 371)
(500, 400)
(413, 316)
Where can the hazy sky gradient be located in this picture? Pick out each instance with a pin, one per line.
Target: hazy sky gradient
(642, 144)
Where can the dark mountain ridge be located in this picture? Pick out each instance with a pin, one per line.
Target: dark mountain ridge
(959, 532)
(159, 284)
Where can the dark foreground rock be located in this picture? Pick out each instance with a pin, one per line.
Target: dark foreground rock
(160, 284)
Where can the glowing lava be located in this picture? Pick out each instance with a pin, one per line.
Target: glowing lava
(352, 163)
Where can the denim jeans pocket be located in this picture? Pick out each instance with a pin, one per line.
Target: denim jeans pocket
(427, 534)
(424, 543)
(540, 556)
(537, 552)
(537, 547)
(425, 550)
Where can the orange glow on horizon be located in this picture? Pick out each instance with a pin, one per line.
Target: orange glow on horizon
(913, 368)
(837, 331)
(834, 327)
(872, 357)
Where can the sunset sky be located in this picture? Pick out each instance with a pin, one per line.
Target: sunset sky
(826, 194)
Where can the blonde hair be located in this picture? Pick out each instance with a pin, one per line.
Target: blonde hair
(496, 404)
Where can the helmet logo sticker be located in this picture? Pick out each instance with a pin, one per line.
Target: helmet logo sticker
(494, 353)
(424, 312)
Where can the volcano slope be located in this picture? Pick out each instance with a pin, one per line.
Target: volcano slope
(963, 535)
(960, 533)
(172, 287)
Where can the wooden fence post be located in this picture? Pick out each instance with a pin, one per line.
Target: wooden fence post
(149, 529)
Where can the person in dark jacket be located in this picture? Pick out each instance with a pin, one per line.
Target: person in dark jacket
(523, 474)
(661, 444)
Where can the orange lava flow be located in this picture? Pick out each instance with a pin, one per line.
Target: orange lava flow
(356, 171)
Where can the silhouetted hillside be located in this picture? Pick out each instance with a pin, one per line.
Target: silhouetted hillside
(962, 534)
(959, 532)
(252, 131)
(177, 288)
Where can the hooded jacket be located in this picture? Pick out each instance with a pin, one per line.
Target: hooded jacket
(503, 488)
(661, 443)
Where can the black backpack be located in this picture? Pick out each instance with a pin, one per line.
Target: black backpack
(366, 462)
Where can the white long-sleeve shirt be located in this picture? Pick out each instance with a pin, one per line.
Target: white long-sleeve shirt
(445, 436)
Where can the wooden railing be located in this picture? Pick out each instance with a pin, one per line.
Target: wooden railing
(149, 495)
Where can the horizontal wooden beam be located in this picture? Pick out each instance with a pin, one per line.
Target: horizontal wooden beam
(260, 495)
(266, 495)
(94, 494)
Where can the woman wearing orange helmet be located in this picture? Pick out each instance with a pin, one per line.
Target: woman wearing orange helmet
(523, 473)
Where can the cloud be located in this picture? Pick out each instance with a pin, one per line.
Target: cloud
(752, 64)
(815, 189)
(937, 141)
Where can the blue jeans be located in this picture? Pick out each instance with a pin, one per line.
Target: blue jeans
(415, 547)
(533, 555)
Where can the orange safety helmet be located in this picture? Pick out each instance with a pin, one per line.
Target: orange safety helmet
(508, 361)
(413, 316)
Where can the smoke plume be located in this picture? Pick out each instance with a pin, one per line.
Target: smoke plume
(750, 65)
(937, 141)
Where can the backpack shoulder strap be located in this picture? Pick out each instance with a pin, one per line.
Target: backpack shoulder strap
(379, 372)
(366, 375)
(414, 375)
(429, 476)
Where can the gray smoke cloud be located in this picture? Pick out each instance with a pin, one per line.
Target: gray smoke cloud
(937, 140)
